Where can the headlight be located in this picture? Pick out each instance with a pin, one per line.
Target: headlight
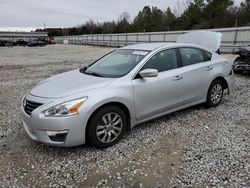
(65, 109)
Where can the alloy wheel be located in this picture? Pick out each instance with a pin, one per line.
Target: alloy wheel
(216, 94)
(109, 127)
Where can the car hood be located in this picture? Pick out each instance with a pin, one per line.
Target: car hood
(68, 83)
(208, 39)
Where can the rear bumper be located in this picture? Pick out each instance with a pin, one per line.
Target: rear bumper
(231, 83)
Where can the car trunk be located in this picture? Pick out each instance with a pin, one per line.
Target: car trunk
(207, 39)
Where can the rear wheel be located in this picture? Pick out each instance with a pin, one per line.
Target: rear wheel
(106, 127)
(215, 93)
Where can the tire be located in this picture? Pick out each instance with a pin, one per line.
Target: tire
(103, 133)
(215, 93)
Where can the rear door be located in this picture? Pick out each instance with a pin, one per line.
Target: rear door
(196, 68)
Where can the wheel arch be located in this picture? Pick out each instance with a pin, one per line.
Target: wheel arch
(115, 103)
(223, 80)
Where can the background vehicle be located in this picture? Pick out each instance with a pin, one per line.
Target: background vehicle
(36, 42)
(242, 62)
(51, 41)
(9, 43)
(3, 43)
(20, 42)
(126, 87)
(6, 43)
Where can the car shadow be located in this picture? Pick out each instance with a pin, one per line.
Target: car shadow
(172, 115)
(139, 127)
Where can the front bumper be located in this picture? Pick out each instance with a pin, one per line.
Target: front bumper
(59, 131)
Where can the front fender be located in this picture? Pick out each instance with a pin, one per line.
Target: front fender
(106, 96)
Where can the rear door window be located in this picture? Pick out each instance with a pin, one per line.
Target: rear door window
(208, 55)
(191, 56)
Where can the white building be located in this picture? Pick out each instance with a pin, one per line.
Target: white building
(27, 36)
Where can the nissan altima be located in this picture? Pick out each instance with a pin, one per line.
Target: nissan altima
(133, 84)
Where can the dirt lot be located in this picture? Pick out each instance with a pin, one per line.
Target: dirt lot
(195, 147)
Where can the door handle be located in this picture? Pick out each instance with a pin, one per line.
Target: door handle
(209, 68)
(177, 78)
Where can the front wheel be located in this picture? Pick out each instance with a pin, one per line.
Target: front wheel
(215, 93)
(106, 127)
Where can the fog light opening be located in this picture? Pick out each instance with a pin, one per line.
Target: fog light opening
(57, 136)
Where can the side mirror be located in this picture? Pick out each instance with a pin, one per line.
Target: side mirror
(146, 73)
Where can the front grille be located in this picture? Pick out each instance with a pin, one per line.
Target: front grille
(30, 106)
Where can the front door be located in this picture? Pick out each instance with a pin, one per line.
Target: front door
(159, 94)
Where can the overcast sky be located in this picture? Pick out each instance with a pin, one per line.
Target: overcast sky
(31, 14)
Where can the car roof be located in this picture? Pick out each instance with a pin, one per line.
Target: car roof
(154, 46)
(148, 46)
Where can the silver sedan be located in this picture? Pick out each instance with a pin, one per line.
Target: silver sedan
(128, 86)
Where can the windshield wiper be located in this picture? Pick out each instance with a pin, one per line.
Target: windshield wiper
(84, 71)
(93, 74)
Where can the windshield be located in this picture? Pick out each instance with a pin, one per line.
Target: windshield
(116, 64)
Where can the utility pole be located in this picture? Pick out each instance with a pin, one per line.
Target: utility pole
(236, 23)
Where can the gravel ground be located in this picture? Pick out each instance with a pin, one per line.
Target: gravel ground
(195, 147)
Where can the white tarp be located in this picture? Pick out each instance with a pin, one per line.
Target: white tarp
(208, 39)
(65, 41)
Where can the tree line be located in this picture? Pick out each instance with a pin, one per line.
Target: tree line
(197, 14)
